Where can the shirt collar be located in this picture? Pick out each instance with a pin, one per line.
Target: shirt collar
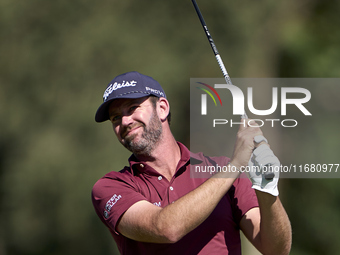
(142, 166)
(196, 158)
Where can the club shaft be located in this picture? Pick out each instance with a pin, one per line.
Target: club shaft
(212, 44)
(269, 175)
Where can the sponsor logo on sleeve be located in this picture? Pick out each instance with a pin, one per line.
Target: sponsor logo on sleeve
(111, 202)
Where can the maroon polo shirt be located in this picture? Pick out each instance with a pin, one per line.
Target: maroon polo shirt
(113, 194)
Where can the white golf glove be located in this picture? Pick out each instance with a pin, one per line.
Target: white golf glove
(260, 161)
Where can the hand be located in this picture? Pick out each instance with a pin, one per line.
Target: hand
(245, 145)
(260, 161)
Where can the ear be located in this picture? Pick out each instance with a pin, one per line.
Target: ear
(163, 108)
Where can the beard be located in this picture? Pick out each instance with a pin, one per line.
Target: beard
(151, 135)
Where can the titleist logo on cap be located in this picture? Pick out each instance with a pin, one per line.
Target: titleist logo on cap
(116, 85)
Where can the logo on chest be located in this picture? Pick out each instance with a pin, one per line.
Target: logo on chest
(158, 204)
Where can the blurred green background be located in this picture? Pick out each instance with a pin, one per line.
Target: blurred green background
(57, 58)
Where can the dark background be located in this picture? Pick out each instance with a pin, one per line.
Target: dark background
(57, 58)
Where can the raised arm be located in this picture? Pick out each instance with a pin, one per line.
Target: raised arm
(146, 222)
(268, 226)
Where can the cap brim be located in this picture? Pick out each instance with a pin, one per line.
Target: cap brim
(102, 113)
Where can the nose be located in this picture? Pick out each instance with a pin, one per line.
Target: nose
(126, 120)
(123, 125)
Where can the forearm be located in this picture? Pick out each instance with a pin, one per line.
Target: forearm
(275, 230)
(191, 210)
(148, 223)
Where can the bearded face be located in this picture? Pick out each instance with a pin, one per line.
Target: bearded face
(144, 143)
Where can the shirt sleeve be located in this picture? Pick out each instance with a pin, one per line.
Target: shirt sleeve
(112, 195)
(244, 197)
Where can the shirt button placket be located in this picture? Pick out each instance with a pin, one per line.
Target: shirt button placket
(171, 194)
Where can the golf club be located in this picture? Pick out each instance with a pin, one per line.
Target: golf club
(268, 175)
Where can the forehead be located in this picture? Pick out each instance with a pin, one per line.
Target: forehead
(121, 103)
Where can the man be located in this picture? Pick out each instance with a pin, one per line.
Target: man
(153, 206)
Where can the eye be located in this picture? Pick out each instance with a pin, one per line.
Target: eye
(114, 118)
(133, 108)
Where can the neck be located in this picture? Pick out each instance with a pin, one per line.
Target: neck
(165, 156)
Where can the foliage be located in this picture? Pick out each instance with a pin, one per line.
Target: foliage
(57, 58)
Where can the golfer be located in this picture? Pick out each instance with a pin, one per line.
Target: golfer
(152, 206)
